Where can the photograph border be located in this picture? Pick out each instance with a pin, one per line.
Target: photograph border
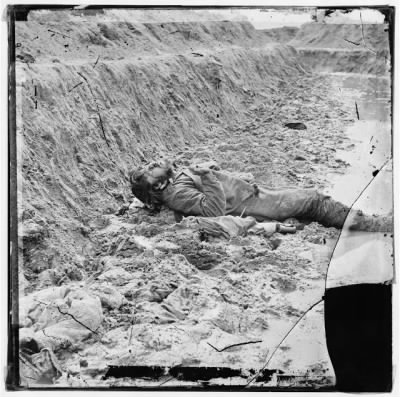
(13, 13)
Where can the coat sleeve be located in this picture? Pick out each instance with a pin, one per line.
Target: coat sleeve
(189, 200)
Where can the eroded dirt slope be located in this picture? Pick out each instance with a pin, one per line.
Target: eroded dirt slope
(53, 41)
(344, 48)
(345, 36)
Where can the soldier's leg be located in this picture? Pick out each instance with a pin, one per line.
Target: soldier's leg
(307, 204)
(314, 206)
(325, 210)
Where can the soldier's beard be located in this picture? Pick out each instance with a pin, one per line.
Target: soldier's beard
(156, 194)
(156, 200)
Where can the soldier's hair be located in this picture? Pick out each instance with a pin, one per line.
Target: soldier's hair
(140, 186)
(144, 190)
(165, 165)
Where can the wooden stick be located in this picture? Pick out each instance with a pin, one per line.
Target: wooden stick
(362, 31)
(98, 109)
(302, 69)
(76, 85)
(358, 114)
(234, 345)
(61, 34)
(352, 42)
(97, 60)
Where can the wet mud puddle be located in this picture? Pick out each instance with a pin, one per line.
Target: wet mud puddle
(370, 135)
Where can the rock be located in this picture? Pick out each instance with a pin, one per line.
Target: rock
(29, 307)
(166, 246)
(148, 230)
(23, 283)
(100, 223)
(27, 340)
(110, 298)
(153, 253)
(275, 243)
(152, 312)
(47, 278)
(161, 291)
(126, 248)
(32, 231)
(73, 272)
(316, 239)
(296, 126)
(25, 57)
(141, 295)
(39, 368)
(154, 292)
(71, 381)
(85, 231)
(61, 316)
(285, 284)
(144, 243)
(74, 369)
(129, 290)
(116, 276)
(27, 214)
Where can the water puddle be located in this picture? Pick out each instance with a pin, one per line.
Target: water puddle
(365, 256)
(371, 138)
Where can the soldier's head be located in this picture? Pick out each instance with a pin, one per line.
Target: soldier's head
(148, 183)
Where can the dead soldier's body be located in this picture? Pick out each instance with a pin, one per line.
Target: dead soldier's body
(207, 192)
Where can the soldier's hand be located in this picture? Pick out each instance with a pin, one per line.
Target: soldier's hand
(123, 209)
(285, 228)
(198, 170)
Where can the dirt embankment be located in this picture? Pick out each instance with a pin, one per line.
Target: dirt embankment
(84, 125)
(350, 48)
(165, 294)
(53, 41)
(343, 36)
(280, 35)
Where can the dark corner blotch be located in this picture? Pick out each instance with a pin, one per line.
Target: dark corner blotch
(181, 373)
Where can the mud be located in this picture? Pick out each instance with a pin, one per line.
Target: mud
(105, 97)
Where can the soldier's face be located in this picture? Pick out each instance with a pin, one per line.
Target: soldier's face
(158, 177)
